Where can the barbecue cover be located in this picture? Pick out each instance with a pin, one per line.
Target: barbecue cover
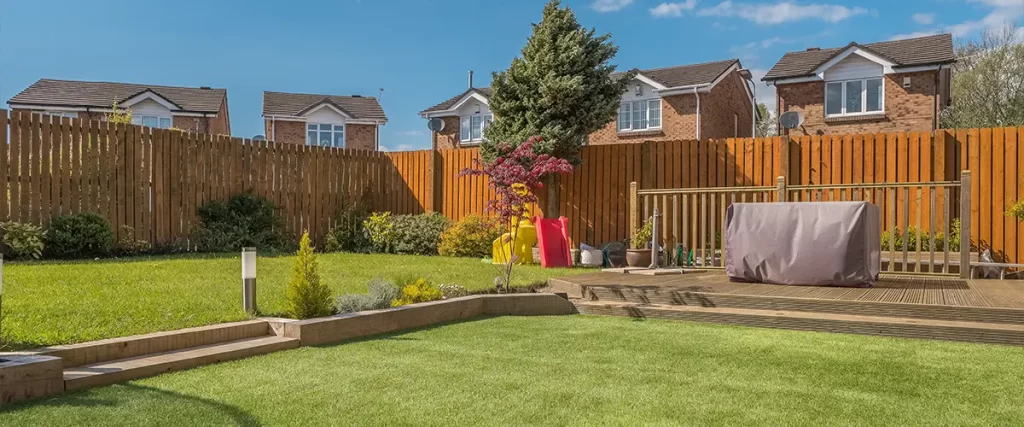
(804, 243)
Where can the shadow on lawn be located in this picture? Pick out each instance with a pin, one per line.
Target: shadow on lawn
(232, 415)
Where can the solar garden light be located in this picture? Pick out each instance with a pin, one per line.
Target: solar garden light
(654, 239)
(249, 280)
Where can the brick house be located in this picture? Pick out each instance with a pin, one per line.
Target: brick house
(327, 120)
(195, 109)
(900, 85)
(709, 100)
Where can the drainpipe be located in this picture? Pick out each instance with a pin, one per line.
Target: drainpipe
(376, 137)
(273, 129)
(698, 111)
(935, 101)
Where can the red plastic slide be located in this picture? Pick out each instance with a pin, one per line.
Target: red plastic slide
(553, 241)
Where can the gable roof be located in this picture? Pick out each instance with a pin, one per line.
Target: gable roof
(928, 50)
(689, 75)
(482, 91)
(670, 77)
(72, 93)
(297, 104)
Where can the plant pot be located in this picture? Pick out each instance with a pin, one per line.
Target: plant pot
(638, 257)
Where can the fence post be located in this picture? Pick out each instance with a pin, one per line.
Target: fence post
(780, 189)
(634, 210)
(432, 182)
(965, 224)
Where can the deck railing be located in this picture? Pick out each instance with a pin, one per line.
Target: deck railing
(917, 220)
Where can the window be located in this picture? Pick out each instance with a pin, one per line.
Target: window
(152, 121)
(325, 135)
(853, 97)
(471, 128)
(639, 115)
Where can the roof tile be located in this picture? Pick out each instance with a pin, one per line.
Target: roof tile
(70, 93)
(937, 49)
(294, 104)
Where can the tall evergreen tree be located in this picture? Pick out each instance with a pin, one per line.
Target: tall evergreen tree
(561, 88)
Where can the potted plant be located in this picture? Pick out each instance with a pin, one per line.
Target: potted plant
(640, 254)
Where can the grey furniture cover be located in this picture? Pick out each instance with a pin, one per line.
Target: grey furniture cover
(803, 243)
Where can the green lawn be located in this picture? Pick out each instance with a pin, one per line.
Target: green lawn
(574, 370)
(46, 303)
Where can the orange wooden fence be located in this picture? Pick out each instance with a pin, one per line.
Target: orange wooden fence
(153, 179)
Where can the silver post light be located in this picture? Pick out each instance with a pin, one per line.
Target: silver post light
(654, 239)
(249, 280)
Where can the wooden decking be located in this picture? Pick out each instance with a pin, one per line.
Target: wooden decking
(931, 307)
(934, 290)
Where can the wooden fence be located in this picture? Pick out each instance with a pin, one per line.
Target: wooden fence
(153, 179)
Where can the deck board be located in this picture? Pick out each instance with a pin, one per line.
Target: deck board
(928, 290)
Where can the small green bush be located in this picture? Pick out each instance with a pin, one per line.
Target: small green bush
(379, 295)
(417, 291)
(308, 296)
(642, 236)
(473, 236)
(244, 220)
(894, 239)
(417, 234)
(23, 240)
(79, 235)
(129, 245)
(379, 230)
(347, 234)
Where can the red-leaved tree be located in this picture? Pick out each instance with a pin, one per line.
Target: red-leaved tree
(515, 175)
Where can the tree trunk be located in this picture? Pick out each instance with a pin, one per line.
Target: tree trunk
(554, 199)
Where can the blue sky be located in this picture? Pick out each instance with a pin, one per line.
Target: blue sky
(420, 50)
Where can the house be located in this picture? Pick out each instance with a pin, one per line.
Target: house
(196, 109)
(326, 120)
(891, 86)
(709, 100)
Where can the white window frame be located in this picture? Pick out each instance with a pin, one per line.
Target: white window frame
(647, 115)
(863, 97)
(335, 127)
(140, 118)
(485, 121)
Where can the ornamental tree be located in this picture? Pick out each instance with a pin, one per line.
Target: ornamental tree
(561, 89)
(515, 175)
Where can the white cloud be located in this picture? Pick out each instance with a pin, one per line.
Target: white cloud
(673, 10)
(913, 35)
(605, 6)
(1003, 12)
(923, 18)
(779, 13)
(410, 133)
(399, 147)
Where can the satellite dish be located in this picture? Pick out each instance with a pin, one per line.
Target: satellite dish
(435, 124)
(791, 119)
(259, 138)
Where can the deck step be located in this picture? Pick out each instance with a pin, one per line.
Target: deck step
(116, 371)
(699, 298)
(94, 352)
(980, 332)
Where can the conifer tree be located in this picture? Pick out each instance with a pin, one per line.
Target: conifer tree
(308, 297)
(560, 88)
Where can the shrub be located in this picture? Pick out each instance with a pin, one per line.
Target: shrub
(893, 239)
(379, 230)
(417, 234)
(347, 234)
(23, 240)
(78, 235)
(379, 295)
(473, 236)
(642, 236)
(308, 297)
(244, 220)
(417, 291)
(128, 245)
(452, 290)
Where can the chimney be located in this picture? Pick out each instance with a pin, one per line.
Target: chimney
(470, 79)
(812, 49)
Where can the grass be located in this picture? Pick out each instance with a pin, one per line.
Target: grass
(574, 370)
(47, 303)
